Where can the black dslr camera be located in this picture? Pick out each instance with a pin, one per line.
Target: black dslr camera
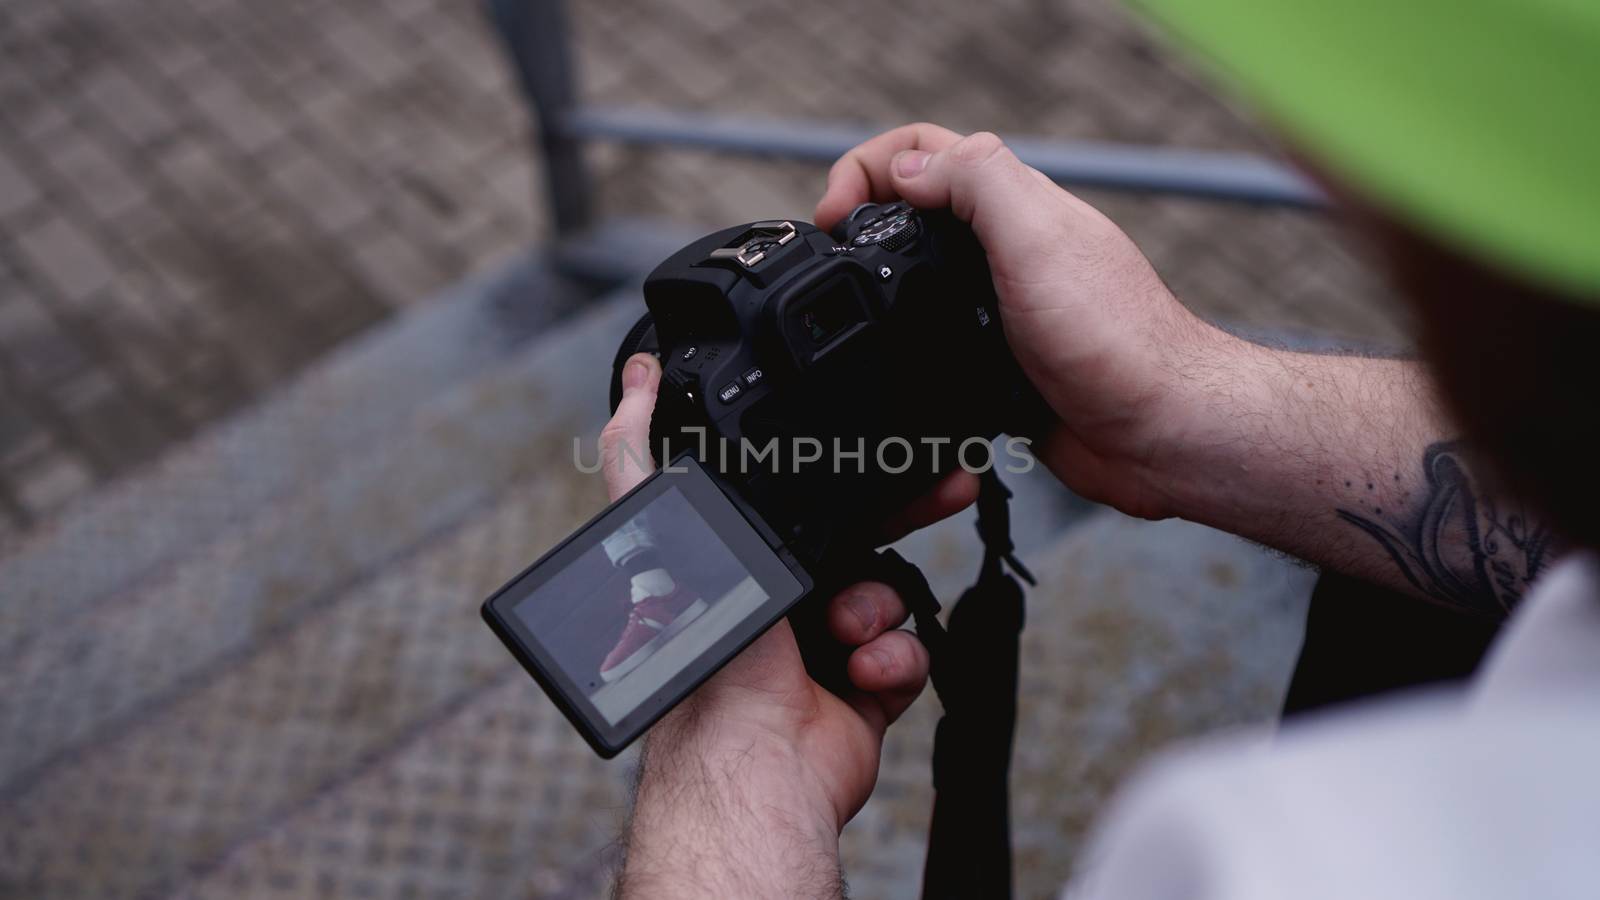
(812, 385)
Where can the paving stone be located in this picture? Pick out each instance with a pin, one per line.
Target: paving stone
(178, 59)
(110, 422)
(236, 114)
(119, 96)
(67, 258)
(210, 175)
(17, 192)
(17, 431)
(374, 54)
(327, 196)
(103, 180)
(31, 443)
(34, 347)
(397, 271)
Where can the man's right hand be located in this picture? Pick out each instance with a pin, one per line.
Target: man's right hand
(1341, 460)
(1091, 323)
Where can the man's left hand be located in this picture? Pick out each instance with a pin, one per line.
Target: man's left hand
(745, 785)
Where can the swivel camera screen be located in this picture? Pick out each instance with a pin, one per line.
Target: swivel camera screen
(642, 604)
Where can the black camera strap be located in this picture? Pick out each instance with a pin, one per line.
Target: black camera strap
(974, 670)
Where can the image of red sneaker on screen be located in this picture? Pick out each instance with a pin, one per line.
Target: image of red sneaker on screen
(658, 607)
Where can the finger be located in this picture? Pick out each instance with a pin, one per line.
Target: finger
(955, 492)
(862, 174)
(625, 441)
(863, 611)
(890, 672)
(980, 180)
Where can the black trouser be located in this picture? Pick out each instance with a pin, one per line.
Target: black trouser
(1363, 640)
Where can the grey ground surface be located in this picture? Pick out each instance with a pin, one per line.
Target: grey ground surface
(198, 198)
(306, 703)
(263, 449)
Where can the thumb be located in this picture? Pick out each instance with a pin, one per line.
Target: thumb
(625, 441)
(983, 183)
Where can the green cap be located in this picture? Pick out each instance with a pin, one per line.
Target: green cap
(1475, 121)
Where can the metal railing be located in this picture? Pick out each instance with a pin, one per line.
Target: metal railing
(537, 37)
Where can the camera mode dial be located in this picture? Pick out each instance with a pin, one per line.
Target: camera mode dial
(893, 227)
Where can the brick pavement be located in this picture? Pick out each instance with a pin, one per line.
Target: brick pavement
(1080, 69)
(198, 198)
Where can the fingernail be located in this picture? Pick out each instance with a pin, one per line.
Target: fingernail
(635, 374)
(908, 163)
(863, 610)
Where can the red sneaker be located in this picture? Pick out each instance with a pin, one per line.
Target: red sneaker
(651, 623)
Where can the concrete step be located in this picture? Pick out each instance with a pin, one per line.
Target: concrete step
(78, 681)
(289, 692)
(211, 487)
(173, 726)
(167, 725)
(343, 408)
(1140, 634)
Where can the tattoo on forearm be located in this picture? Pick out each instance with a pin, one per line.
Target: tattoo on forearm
(1457, 545)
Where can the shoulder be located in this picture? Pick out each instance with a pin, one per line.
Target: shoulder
(1424, 793)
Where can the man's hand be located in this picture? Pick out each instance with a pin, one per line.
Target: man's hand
(1341, 460)
(745, 785)
(1093, 326)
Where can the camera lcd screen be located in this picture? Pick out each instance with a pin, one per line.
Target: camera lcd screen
(638, 607)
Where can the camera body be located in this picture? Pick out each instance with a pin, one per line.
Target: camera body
(812, 385)
(881, 339)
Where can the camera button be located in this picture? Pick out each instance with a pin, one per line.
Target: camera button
(751, 377)
(686, 383)
(689, 352)
(885, 273)
(729, 392)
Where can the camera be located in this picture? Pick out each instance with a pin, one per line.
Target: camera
(812, 385)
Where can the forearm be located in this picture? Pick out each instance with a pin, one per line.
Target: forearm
(1347, 462)
(720, 818)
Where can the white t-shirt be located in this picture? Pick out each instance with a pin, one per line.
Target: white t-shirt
(1492, 790)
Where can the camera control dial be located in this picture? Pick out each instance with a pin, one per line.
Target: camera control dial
(892, 228)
